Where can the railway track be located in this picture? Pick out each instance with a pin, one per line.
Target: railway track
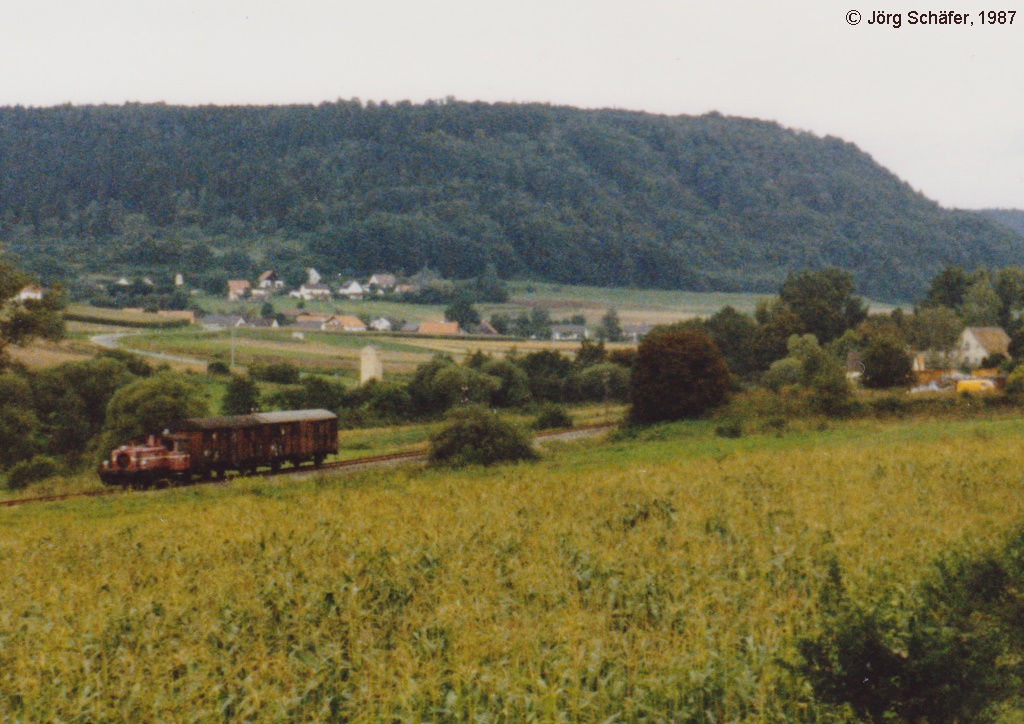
(373, 461)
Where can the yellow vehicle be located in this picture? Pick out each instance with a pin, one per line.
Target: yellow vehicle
(975, 386)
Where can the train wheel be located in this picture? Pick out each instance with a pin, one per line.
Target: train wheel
(275, 465)
(318, 460)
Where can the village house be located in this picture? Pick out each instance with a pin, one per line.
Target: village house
(269, 280)
(309, 292)
(345, 323)
(635, 332)
(439, 329)
(237, 289)
(32, 291)
(352, 289)
(977, 343)
(217, 322)
(312, 318)
(381, 324)
(380, 283)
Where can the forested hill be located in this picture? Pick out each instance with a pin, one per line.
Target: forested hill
(597, 197)
(1010, 218)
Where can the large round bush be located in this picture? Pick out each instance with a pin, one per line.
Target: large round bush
(476, 436)
(679, 373)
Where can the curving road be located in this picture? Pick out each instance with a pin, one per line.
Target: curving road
(110, 341)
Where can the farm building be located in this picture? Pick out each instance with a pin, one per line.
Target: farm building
(439, 328)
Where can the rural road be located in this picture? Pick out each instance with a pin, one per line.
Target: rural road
(110, 341)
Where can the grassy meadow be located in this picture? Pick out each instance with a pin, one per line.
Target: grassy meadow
(664, 576)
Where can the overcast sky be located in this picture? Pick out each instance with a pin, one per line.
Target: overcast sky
(942, 107)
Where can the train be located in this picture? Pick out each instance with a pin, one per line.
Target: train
(207, 447)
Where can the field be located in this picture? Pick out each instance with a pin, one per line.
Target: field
(662, 577)
(635, 306)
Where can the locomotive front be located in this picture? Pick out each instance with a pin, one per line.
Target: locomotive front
(146, 460)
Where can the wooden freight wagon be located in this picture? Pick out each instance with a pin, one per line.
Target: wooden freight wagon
(262, 439)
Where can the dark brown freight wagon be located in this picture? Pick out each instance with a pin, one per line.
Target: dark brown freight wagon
(263, 439)
(206, 446)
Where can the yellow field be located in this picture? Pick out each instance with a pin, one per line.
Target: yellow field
(665, 577)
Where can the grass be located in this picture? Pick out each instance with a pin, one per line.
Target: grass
(665, 576)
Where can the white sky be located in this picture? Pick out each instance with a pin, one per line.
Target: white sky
(942, 107)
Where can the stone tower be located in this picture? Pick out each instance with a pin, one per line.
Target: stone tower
(370, 367)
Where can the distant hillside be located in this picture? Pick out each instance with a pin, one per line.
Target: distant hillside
(1010, 218)
(591, 197)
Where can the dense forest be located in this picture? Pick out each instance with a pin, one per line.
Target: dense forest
(593, 197)
(1011, 218)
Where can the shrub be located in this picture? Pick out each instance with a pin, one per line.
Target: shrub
(388, 401)
(552, 417)
(514, 389)
(217, 367)
(1015, 383)
(476, 436)
(37, 468)
(602, 382)
(889, 405)
(242, 396)
(283, 373)
(886, 363)
(679, 373)
(951, 650)
(731, 429)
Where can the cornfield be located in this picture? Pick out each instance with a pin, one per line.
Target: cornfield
(661, 579)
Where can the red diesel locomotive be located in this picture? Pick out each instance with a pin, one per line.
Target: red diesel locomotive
(210, 446)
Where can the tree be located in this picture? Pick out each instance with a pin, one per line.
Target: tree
(603, 382)
(489, 287)
(20, 322)
(734, 334)
(817, 370)
(610, 329)
(824, 302)
(1009, 287)
(548, 373)
(934, 328)
(242, 396)
(589, 354)
(679, 373)
(18, 422)
(148, 406)
(502, 323)
(947, 288)
(982, 306)
(463, 312)
(886, 363)
(514, 388)
(776, 323)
